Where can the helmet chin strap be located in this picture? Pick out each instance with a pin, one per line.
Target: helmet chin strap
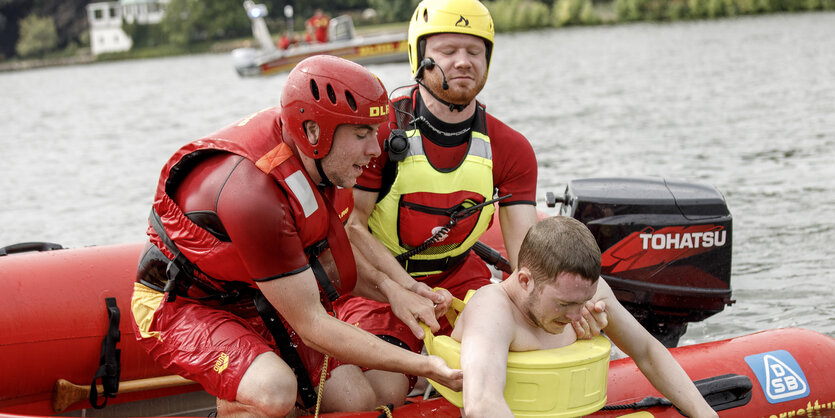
(325, 182)
(451, 106)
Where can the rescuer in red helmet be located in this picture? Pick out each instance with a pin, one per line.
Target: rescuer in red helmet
(247, 251)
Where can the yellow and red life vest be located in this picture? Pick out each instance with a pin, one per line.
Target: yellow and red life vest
(423, 198)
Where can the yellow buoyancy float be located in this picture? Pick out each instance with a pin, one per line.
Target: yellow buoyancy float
(568, 381)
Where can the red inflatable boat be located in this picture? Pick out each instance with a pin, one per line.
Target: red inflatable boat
(55, 318)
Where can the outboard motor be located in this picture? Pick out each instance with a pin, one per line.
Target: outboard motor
(666, 247)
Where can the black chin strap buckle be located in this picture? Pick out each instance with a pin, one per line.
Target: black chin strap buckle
(456, 107)
(174, 272)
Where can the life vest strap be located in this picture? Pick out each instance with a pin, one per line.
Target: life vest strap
(313, 252)
(286, 349)
(439, 264)
(180, 274)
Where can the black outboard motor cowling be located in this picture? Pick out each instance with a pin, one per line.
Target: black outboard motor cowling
(666, 247)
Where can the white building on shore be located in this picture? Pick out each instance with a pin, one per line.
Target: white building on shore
(106, 20)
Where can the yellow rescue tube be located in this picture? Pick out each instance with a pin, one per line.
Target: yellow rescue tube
(568, 381)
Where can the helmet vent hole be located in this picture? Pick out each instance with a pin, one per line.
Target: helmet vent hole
(331, 94)
(314, 89)
(425, 15)
(350, 99)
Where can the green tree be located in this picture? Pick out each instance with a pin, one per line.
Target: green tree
(698, 8)
(394, 10)
(513, 15)
(629, 10)
(573, 12)
(145, 35)
(199, 20)
(532, 14)
(37, 36)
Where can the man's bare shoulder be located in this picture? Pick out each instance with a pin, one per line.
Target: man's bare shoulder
(492, 300)
(488, 305)
(490, 292)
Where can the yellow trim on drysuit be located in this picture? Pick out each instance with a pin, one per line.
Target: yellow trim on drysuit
(143, 304)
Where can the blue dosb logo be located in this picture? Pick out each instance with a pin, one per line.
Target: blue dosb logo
(780, 376)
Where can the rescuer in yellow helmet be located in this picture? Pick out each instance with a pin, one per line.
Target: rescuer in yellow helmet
(422, 205)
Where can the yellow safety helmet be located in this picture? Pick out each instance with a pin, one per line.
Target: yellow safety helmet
(469, 17)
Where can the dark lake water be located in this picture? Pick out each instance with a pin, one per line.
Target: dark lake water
(747, 105)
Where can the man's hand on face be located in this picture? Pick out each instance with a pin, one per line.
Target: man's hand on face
(594, 320)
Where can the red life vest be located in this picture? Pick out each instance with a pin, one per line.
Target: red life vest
(258, 139)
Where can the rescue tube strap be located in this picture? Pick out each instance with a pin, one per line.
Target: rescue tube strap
(109, 362)
(286, 349)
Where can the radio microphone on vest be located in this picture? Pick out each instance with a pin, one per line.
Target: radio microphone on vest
(428, 63)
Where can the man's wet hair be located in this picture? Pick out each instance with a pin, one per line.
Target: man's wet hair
(560, 244)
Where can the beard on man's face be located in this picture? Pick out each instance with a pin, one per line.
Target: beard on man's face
(455, 95)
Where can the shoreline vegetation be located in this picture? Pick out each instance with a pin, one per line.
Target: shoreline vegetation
(508, 16)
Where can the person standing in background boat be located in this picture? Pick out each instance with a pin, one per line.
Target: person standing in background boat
(248, 250)
(317, 27)
(285, 42)
(558, 273)
(421, 205)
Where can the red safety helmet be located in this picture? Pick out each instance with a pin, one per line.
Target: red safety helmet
(330, 91)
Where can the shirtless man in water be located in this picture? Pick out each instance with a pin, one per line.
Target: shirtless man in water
(557, 275)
